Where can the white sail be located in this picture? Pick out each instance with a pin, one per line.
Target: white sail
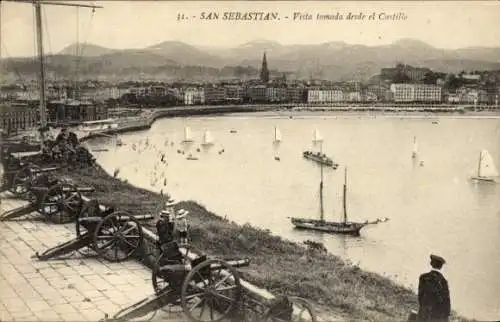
(317, 136)
(187, 134)
(415, 148)
(207, 138)
(277, 134)
(486, 168)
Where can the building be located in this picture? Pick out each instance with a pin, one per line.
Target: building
(257, 93)
(73, 111)
(234, 93)
(194, 96)
(413, 74)
(296, 94)
(14, 118)
(353, 97)
(214, 95)
(416, 93)
(403, 92)
(318, 96)
(276, 94)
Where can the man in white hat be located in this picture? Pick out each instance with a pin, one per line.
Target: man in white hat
(433, 293)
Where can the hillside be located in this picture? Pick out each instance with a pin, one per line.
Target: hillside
(331, 60)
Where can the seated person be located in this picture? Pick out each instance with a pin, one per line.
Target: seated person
(73, 139)
(166, 244)
(62, 136)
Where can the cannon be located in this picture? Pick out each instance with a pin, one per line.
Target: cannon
(20, 181)
(210, 290)
(113, 235)
(59, 202)
(206, 289)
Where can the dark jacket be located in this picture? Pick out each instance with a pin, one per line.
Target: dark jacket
(73, 139)
(59, 138)
(433, 297)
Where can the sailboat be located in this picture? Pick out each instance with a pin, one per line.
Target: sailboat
(208, 140)
(337, 227)
(415, 148)
(277, 135)
(317, 137)
(486, 170)
(187, 135)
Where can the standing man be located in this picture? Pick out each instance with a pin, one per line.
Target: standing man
(433, 293)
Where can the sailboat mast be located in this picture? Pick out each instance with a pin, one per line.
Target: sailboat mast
(322, 209)
(345, 196)
(41, 74)
(40, 53)
(479, 164)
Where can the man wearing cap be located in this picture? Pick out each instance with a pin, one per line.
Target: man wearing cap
(433, 293)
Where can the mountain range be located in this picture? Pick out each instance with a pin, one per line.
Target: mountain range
(330, 60)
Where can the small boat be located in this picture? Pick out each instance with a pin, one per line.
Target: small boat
(338, 227)
(415, 148)
(277, 135)
(190, 157)
(320, 158)
(486, 170)
(208, 140)
(187, 135)
(233, 131)
(277, 158)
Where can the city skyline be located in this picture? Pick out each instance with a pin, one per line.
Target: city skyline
(127, 25)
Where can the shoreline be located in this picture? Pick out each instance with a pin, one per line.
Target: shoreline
(336, 288)
(149, 116)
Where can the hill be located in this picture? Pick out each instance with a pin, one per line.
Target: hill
(330, 60)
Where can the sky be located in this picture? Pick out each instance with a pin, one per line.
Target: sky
(138, 24)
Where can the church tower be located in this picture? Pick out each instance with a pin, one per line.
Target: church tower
(264, 72)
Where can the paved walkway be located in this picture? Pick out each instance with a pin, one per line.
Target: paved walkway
(76, 288)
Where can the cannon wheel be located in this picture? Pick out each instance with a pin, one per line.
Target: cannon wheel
(219, 290)
(21, 181)
(118, 236)
(303, 311)
(63, 199)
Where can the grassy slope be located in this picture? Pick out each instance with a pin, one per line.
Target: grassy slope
(276, 264)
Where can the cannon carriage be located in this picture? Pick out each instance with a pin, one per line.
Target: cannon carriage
(113, 235)
(56, 199)
(209, 290)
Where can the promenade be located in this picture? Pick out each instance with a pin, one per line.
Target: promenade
(76, 288)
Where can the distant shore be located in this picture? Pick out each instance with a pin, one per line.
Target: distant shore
(287, 110)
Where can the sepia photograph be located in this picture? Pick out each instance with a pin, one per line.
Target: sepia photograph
(249, 161)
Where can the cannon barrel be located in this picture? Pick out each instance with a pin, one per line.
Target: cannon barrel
(234, 263)
(80, 189)
(138, 217)
(43, 170)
